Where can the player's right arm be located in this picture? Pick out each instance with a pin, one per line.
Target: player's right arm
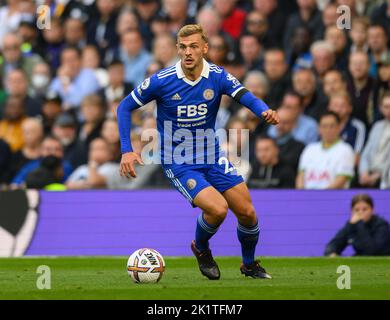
(140, 96)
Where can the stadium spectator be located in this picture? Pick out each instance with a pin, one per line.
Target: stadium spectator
(327, 164)
(146, 12)
(268, 172)
(127, 20)
(74, 33)
(100, 172)
(233, 18)
(11, 123)
(134, 56)
(306, 128)
(256, 24)
(353, 130)
(251, 52)
(359, 34)
(333, 82)
(376, 154)
(65, 130)
(290, 149)
(40, 81)
(360, 87)
(5, 160)
(111, 135)
(13, 57)
(383, 84)
(10, 17)
(177, 13)
(368, 233)
(101, 27)
(276, 69)
(309, 15)
(218, 50)
(338, 39)
(275, 18)
(51, 108)
(50, 146)
(32, 131)
(380, 15)
(164, 50)
(377, 42)
(329, 16)
(324, 58)
(73, 82)
(53, 43)
(117, 88)
(93, 112)
(298, 54)
(28, 32)
(90, 59)
(17, 86)
(48, 175)
(313, 100)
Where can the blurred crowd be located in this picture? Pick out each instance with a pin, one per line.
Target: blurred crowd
(327, 74)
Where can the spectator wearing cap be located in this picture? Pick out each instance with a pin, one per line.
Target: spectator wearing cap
(65, 130)
(117, 87)
(100, 172)
(368, 233)
(134, 56)
(268, 171)
(101, 27)
(329, 163)
(13, 57)
(32, 131)
(73, 82)
(51, 147)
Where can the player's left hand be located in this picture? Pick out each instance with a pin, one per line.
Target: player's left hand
(271, 116)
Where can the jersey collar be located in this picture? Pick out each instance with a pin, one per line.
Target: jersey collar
(205, 73)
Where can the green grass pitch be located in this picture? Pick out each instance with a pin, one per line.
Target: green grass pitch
(106, 278)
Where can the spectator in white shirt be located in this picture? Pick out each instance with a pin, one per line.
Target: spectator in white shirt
(328, 164)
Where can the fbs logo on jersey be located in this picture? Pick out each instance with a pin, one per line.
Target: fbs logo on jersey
(191, 112)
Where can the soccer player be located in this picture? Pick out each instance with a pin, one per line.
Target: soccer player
(188, 95)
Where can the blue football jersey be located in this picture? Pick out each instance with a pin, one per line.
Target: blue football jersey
(190, 105)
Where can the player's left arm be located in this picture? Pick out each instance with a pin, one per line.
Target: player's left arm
(232, 87)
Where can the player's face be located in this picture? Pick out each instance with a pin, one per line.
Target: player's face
(191, 50)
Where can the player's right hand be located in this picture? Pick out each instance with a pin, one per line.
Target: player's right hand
(127, 164)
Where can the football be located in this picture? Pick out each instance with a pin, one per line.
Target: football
(146, 266)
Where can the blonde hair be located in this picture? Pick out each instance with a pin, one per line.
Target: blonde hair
(190, 29)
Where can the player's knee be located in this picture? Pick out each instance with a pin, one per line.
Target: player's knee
(220, 211)
(248, 213)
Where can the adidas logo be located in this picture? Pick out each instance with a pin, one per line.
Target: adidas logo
(176, 97)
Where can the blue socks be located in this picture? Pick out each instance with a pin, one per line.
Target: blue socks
(204, 231)
(248, 236)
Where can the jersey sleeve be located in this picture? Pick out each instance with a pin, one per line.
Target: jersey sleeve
(345, 165)
(229, 84)
(146, 91)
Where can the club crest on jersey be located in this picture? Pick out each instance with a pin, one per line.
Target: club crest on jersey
(208, 94)
(191, 184)
(145, 84)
